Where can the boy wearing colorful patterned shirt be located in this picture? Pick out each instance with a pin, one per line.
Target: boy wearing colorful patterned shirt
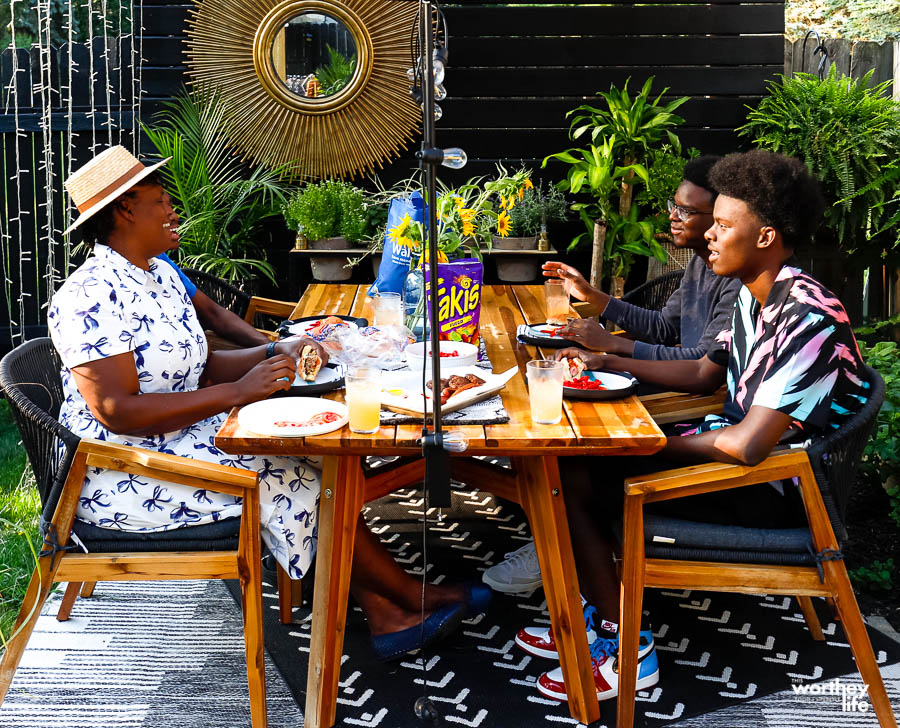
(793, 370)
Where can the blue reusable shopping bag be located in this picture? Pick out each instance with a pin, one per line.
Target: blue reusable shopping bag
(395, 261)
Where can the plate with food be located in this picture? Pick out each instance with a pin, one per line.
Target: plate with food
(293, 417)
(402, 390)
(579, 382)
(312, 378)
(544, 335)
(318, 327)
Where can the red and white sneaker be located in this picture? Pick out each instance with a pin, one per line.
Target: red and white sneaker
(539, 641)
(605, 666)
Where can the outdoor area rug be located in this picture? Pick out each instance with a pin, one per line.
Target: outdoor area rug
(715, 649)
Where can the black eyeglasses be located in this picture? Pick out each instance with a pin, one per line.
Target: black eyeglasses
(684, 212)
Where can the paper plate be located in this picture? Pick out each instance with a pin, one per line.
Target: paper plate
(285, 416)
(402, 390)
(617, 385)
(540, 335)
(300, 326)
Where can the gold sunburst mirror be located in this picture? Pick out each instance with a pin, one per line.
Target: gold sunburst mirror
(318, 83)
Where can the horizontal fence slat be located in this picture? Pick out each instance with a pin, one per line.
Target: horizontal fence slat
(541, 113)
(538, 143)
(474, 82)
(662, 3)
(59, 121)
(167, 48)
(605, 20)
(164, 20)
(618, 51)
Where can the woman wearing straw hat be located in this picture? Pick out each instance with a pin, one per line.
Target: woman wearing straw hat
(137, 370)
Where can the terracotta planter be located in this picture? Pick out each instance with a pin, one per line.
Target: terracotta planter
(330, 267)
(511, 269)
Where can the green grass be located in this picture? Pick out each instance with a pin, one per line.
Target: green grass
(19, 510)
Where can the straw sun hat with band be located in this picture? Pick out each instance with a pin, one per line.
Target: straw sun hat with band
(103, 179)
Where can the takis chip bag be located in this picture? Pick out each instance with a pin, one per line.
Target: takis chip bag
(459, 299)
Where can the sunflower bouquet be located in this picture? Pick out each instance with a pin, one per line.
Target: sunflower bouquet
(467, 217)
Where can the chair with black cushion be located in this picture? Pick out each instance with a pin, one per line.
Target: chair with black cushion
(263, 313)
(228, 549)
(804, 561)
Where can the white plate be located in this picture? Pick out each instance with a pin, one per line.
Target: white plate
(300, 329)
(265, 417)
(617, 385)
(325, 376)
(402, 390)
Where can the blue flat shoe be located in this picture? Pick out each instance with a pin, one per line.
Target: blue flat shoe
(478, 597)
(441, 623)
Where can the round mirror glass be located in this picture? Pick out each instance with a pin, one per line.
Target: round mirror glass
(314, 55)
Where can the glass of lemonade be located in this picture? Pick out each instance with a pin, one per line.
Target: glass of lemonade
(388, 309)
(557, 302)
(545, 390)
(363, 395)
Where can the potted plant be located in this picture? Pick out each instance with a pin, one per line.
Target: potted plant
(530, 210)
(222, 230)
(847, 133)
(331, 215)
(623, 136)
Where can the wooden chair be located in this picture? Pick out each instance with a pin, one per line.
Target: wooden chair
(228, 549)
(263, 313)
(805, 562)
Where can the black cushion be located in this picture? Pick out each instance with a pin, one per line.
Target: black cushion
(219, 536)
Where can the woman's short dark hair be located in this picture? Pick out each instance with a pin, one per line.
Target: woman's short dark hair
(696, 171)
(99, 227)
(779, 190)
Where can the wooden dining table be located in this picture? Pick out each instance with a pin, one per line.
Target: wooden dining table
(620, 427)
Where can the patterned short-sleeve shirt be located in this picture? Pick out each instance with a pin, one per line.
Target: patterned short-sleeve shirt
(796, 354)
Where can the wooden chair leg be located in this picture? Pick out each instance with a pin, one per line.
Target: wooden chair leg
(65, 609)
(87, 591)
(832, 607)
(285, 596)
(631, 609)
(250, 568)
(812, 619)
(855, 631)
(38, 589)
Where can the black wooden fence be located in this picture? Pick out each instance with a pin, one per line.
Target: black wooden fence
(513, 73)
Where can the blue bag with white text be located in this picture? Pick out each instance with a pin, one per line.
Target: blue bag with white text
(395, 259)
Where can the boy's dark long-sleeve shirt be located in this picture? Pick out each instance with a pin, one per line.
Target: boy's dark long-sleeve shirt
(693, 316)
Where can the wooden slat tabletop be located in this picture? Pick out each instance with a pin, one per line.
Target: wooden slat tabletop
(620, 427)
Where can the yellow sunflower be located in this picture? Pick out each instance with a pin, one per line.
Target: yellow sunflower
(404, 242)
(503, 225)
(397, 232)
(459, 202)
(467, 214)
(528, 184)
(502, 202)
(468, 228)
(521, 192)
(511, 203)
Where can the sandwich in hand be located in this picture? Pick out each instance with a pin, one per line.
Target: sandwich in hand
(309, 364)
(572, 369)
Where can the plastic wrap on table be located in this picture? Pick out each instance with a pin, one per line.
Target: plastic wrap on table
(375, 346)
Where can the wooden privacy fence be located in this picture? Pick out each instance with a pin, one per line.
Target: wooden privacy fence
(513, 72)
(852, 58)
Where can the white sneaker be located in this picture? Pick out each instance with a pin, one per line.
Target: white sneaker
(519, 573)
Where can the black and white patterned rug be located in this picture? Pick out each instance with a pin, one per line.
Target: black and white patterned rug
(714, 649)
(170, 654)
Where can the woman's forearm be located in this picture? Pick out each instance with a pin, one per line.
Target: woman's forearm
(229, 366)
(153, 414)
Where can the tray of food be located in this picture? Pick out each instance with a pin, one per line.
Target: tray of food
(581, 383)
(402, 390)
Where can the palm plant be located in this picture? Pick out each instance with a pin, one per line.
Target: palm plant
(625, 137)
(845, 132)
(336, 73)
(221, 211)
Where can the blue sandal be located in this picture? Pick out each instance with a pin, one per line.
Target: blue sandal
(441, 623)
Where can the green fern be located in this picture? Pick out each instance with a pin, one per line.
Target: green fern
(846, 132)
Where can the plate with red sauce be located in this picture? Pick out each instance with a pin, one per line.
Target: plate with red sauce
(544, 335)
(600, 385)
(293, 416)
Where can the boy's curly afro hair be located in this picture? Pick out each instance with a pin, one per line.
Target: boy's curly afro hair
(696, 171)
(779, 190)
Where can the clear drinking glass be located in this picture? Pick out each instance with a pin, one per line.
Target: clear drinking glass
(363, 395)
(545, 390)
(557, 302)
(388, 309)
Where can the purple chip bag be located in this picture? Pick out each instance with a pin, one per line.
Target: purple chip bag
(459, 299)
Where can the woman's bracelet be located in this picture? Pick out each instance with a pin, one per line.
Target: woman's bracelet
(270, 349)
